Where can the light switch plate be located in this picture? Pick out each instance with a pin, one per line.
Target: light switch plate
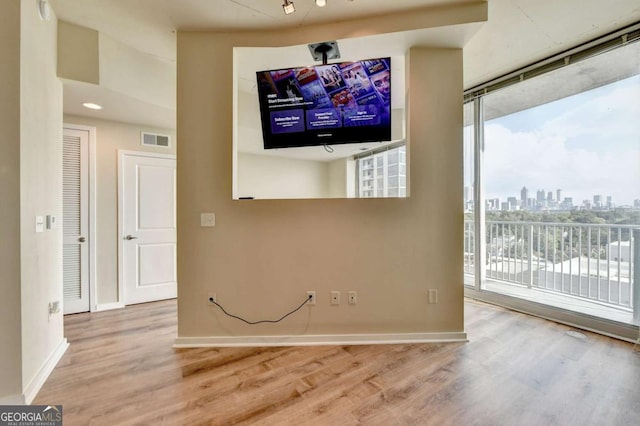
(39, 223)
(207, 220)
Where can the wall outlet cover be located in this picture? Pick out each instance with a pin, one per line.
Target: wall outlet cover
(311, 294)
(39, 223)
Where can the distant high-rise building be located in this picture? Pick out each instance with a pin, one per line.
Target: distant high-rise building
(636, 204)
(558, 195)
(597, 201)
(531, 203)
(540, 195)
(524, 195)
(567, 203)
(492, 204)
(550, 196)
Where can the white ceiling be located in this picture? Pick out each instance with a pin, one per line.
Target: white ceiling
(150, 25)
(518, 32)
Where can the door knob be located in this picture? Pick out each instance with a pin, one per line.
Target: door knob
(82, 239)
(130, 237)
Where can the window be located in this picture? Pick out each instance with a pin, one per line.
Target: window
(559, 184)
(382, 173)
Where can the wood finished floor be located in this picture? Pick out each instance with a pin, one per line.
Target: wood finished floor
(516, 370)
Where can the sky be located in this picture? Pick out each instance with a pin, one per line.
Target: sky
(587, 144)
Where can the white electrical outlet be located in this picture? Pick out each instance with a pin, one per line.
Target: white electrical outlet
(335, 297)
(312, 297)
(54, 308)
(211, 296)
(433, 295)
(353, 297)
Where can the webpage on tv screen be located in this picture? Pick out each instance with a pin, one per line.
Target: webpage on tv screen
(288, 121)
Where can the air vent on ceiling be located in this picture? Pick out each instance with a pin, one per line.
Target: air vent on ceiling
(153, 139)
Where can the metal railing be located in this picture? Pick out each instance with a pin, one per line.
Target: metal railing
(589, 261)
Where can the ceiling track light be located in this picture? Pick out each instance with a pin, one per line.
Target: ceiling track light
(288, 7)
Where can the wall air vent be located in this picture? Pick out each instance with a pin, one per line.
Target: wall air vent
(154, 139)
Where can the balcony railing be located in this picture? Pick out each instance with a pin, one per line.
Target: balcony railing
(587, 261)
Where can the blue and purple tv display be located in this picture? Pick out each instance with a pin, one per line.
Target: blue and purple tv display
(346, 102)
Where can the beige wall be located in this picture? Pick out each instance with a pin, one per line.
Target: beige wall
(110, 137)
(263, 255)
(266, 176)
(342, 178)
(269, 177)
(78, 52)
(10, 323)
(40, 190)
(137, 74)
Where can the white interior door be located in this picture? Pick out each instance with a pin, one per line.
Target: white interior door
(75, 220)
(148, 228)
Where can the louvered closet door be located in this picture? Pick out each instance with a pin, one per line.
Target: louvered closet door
(75, 221)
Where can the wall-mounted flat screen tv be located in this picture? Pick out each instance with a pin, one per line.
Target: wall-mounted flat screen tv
(347, 102)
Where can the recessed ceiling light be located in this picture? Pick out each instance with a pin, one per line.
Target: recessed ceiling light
(321, 3)
(91, 105)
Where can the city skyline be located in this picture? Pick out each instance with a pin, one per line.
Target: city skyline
(586, 144)
(541, 199)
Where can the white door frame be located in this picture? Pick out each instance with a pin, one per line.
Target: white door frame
(121, 154)
(92, 210)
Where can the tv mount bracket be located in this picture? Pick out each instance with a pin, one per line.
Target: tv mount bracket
(324, 51)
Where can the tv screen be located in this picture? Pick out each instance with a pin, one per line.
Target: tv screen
(347, 102)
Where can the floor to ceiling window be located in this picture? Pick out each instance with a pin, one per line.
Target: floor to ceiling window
(552, 187)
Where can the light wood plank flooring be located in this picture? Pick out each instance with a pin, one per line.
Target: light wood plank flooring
(515, 370)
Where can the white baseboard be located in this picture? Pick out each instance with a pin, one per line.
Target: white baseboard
(12, 400)
(108, 306)
(33, 388)
(316, 340)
